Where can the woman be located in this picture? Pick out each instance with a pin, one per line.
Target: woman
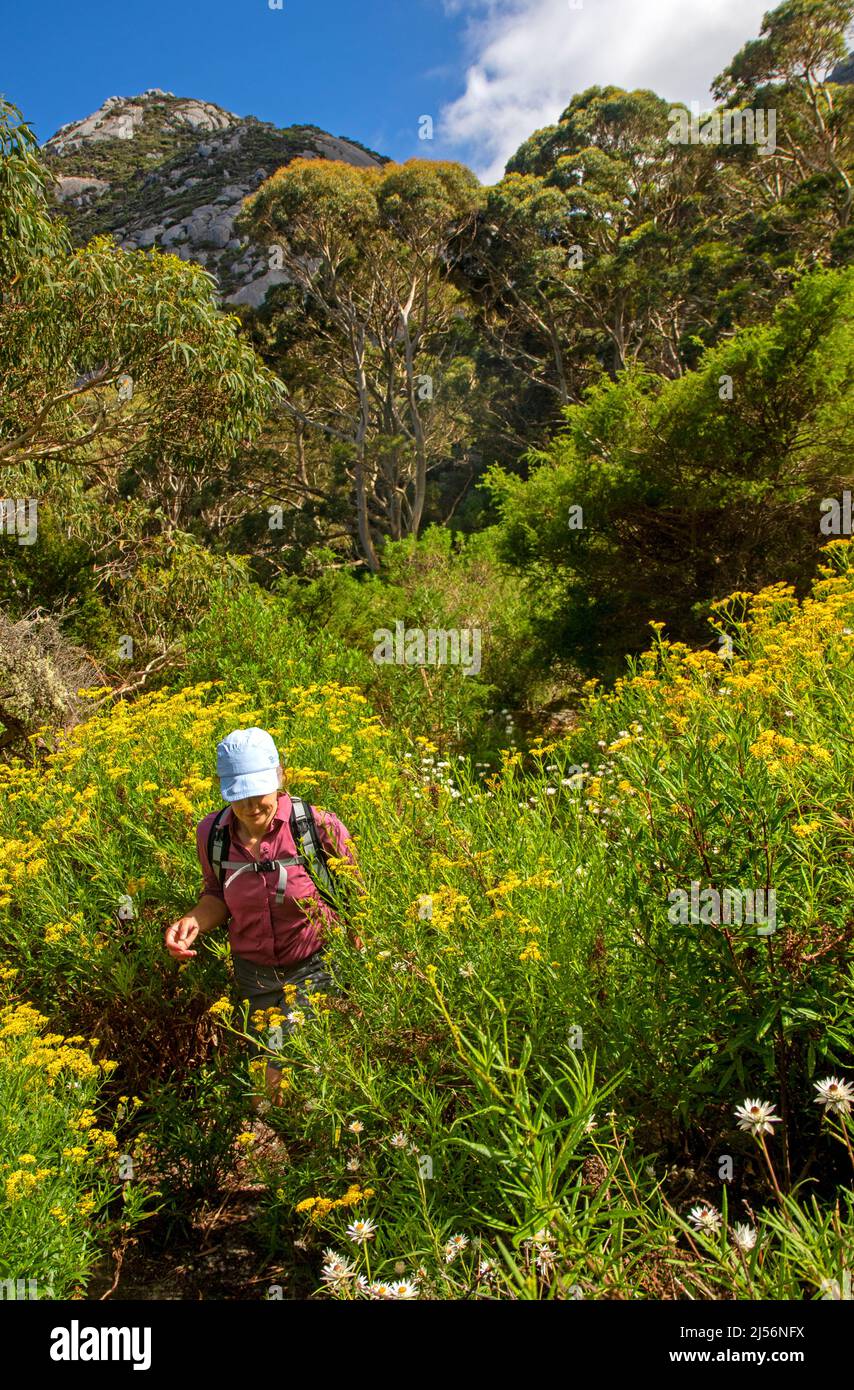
(276, 915)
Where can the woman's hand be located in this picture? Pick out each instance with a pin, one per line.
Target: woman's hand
(180, 937)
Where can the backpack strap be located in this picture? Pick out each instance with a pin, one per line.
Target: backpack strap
(303, 828)
(219, 844)
(262, 866)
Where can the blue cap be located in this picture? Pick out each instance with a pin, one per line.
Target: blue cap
(246, 762)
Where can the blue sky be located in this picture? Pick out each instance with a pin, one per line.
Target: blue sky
(488, 72)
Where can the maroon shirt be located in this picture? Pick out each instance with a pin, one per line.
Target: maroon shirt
(259, 929)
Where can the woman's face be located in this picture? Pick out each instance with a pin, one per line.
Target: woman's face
(254, 813)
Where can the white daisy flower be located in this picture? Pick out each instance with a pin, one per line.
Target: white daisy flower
(757, 1117)
(404, 1288)
(398, 1141)
(706, 1218)
(454, 1247)
(835, 1095)
(744, 1236)
(336, 1269)
(355, 1127)
(360, 1231)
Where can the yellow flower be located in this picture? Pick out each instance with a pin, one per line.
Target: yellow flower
(805, 828)
(18, 1184)
(776, 749)
(618, 744)
(103, 1138)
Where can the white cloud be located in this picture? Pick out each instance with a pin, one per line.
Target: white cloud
(527, 58)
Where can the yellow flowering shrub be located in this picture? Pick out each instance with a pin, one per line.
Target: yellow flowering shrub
(52, 1190)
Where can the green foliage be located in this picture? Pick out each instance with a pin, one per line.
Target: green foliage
(441, 582)
(191, 1124)
(26, 229)
(685, 492)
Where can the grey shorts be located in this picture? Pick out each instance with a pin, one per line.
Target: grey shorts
(261, 986)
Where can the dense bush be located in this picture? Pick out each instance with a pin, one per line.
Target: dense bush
(658, 496)
(57, 1160)
(333, 625)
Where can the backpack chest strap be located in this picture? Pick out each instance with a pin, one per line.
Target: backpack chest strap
(262, 866)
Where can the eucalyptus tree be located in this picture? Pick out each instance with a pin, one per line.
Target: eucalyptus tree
(370, 334)
(787, 70)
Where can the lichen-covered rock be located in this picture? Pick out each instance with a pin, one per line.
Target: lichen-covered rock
(119, 118)
(79, 190)
(255, 292)
(149, 235)
(138, 170)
